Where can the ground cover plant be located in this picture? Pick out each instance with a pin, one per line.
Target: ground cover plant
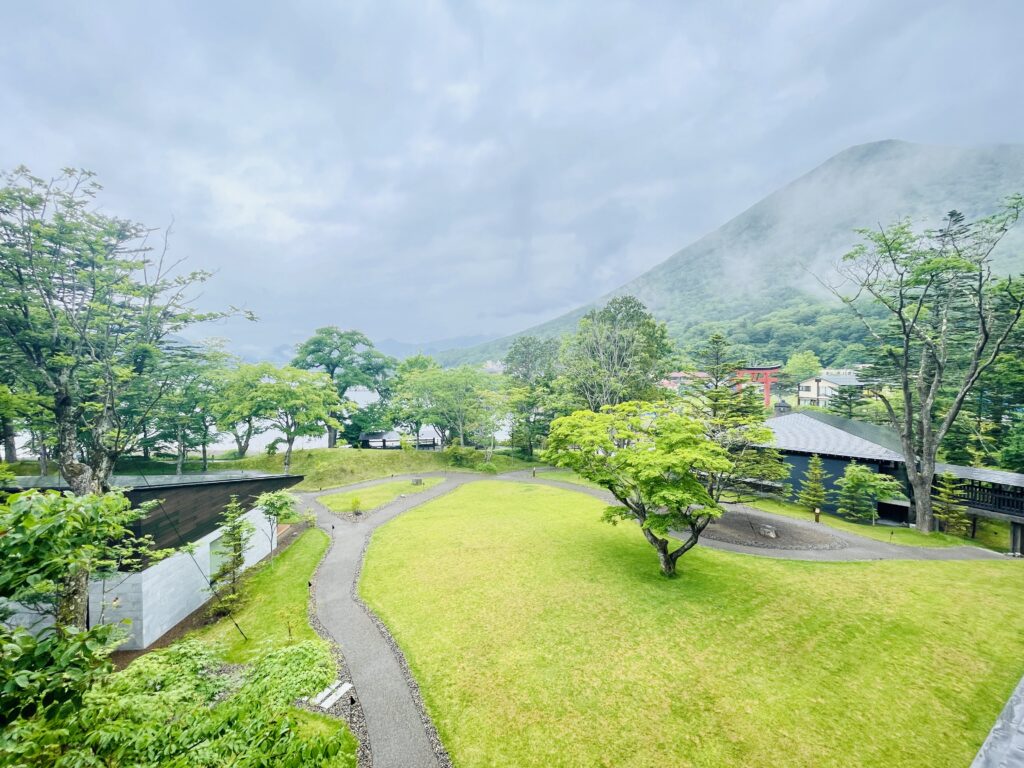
(542, 637)
(214, 698)
(366, 499)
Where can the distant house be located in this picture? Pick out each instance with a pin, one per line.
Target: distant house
(823, 387)
(429, 439)
(677, 379)
(759, 377)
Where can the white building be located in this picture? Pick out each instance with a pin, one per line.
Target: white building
(823, 387)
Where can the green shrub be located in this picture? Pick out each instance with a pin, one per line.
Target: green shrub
(488, 467)
(181, 706)
(461, 456)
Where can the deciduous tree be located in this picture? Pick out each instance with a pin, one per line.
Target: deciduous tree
(618, 353)
(799, 367)
(653, 459)
(409, 405)
(240, 406)
(301, 404)
(945, 321)
(350, 360)
(531, 368)
(87, 310)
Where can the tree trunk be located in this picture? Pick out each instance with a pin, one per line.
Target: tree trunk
(332, 436)
(10, 445)
(206, 458)
(923, 503)
(73, 605)
(668, 563)
(76, 474)
(665, 558)
(44, 458)
(288, 456)
(102, 468)
(180, 459)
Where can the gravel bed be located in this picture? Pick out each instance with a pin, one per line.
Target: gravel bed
(736, 527)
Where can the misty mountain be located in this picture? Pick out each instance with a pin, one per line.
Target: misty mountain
(404, 349)
(757, 276)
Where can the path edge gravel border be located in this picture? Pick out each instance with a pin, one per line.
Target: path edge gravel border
(351, 716)
(443, 759)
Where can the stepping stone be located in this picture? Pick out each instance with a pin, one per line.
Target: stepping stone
(326, 693)
(331, 700)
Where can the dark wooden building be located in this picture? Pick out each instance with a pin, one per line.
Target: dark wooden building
(800, 435)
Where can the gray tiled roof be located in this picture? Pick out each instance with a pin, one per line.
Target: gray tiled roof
(828, 435)
(809, 434)
(998, 476)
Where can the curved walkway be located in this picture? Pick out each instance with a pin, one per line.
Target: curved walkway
(399, 732)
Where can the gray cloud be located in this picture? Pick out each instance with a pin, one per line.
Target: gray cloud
(426, 170)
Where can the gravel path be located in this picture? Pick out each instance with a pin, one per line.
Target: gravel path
(400, 734)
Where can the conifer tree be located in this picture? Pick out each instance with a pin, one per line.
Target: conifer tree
(847, 401)
(860, 489)
(947, 507)
(233, 543)
(812, 490)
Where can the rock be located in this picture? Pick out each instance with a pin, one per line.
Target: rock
(767, 530)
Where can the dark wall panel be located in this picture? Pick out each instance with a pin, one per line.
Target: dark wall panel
(187, 512)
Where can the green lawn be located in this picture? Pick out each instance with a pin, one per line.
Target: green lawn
(906, 536)
(565, 476)
(375, 496)
(274, 612)
(541, 636)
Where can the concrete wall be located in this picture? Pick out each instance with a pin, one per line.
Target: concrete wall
(156, 599)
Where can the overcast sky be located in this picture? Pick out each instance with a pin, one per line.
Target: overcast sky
(429, 170)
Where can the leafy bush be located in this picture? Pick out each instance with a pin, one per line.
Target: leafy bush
(488, 467)
(461, 456)
(182, 707)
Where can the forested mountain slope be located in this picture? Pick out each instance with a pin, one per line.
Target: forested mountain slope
(756, 275)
